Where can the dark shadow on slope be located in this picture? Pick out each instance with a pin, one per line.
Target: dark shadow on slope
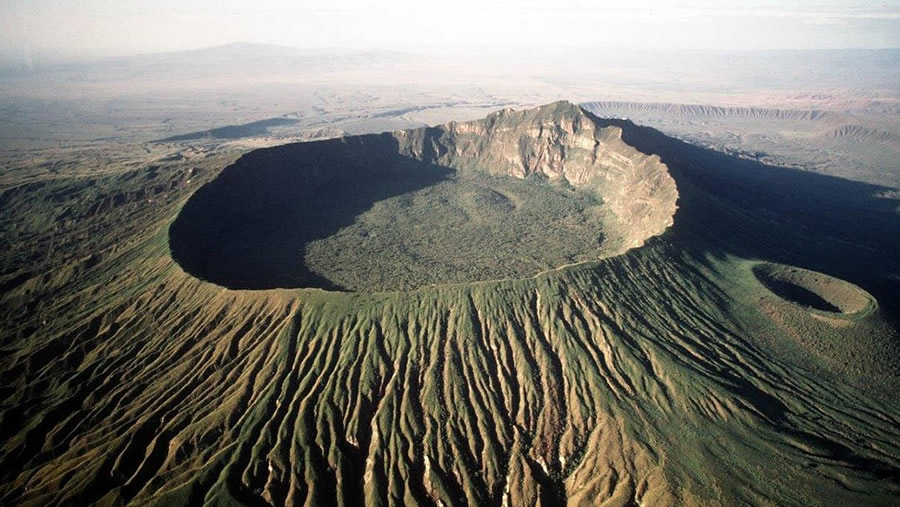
(249, 228)
(733, 206)
(255, 128)
(799, 295)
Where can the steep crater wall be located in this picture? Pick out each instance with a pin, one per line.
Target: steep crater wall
(508, 196)
(560, 142)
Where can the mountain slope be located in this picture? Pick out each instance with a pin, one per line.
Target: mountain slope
(668, 374)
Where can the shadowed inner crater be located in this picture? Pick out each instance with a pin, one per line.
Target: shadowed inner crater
(354, 214)
(813, 290)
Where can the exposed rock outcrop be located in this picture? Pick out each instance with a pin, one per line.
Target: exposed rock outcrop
(559, 141)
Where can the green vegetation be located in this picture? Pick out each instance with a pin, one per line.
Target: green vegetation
(471, 227)
(669, 374)
(816, 291)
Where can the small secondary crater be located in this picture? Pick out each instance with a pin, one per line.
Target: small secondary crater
(815, 291)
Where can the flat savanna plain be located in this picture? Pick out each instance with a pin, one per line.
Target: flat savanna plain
(697, 368)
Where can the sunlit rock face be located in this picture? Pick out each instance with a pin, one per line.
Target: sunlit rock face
(561, 142)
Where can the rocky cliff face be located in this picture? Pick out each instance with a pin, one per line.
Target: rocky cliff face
(561, 142)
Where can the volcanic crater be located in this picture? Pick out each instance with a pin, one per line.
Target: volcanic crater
(509, 196)
(815, 291)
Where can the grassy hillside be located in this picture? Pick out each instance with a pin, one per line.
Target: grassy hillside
(668, 374)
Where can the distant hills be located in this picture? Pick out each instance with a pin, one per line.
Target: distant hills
(773, 69)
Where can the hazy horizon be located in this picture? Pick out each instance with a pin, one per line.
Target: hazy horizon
(47, 30)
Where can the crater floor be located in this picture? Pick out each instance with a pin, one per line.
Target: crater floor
(471, 227)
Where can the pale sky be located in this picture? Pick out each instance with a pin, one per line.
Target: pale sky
(105, 27)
